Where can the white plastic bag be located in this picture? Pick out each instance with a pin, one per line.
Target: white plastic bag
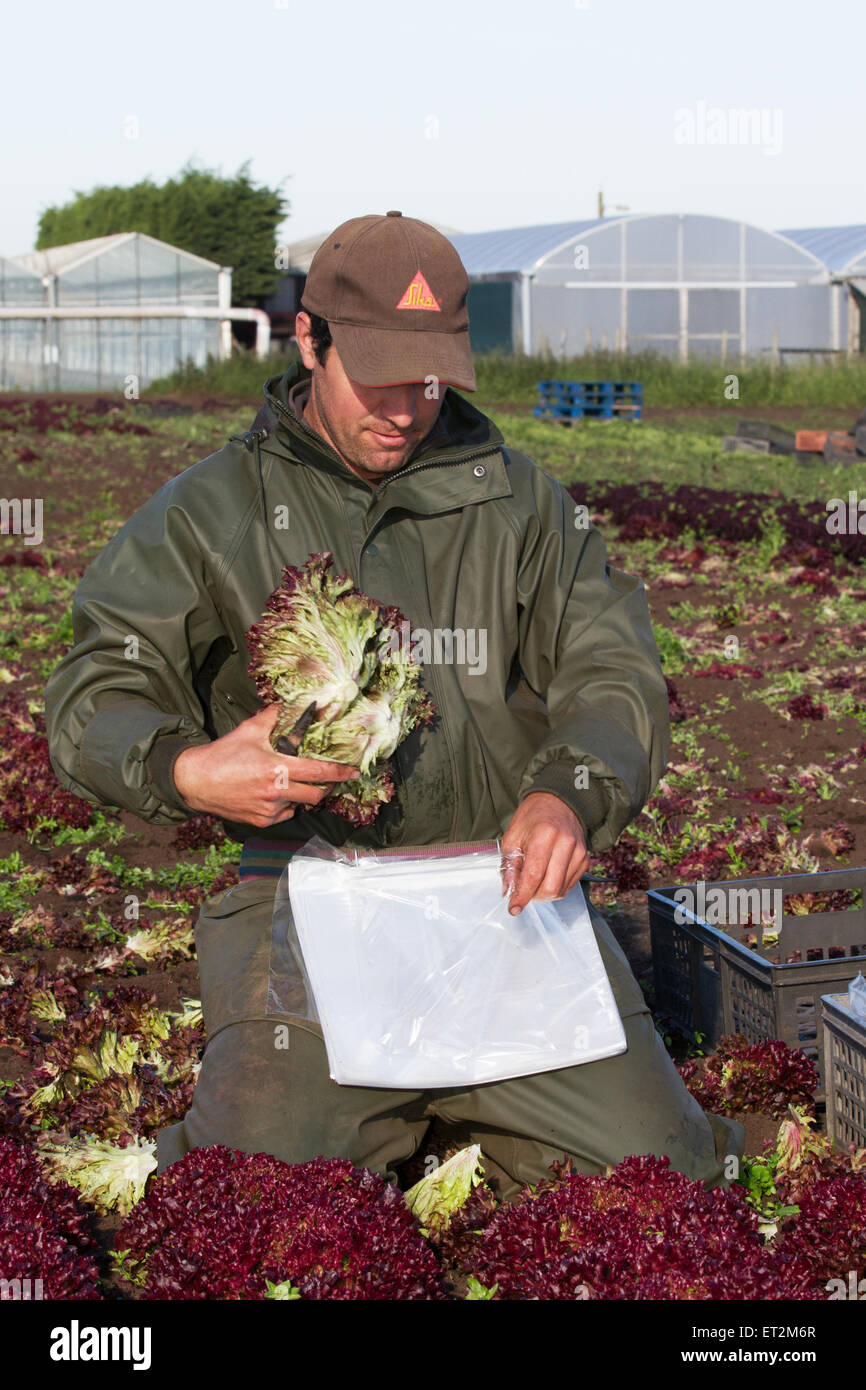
(857, 996)
(421, 977)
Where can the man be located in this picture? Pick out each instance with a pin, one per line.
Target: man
(552, 744)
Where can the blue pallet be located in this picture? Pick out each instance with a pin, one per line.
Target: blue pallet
(602, 411)
(588, 391)
(564, 400)
(595, 387)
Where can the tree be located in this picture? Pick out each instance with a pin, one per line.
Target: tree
(231, 221)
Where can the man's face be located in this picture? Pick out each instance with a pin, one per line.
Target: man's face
(374, 429)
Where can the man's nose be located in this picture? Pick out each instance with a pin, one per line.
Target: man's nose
(400, 403)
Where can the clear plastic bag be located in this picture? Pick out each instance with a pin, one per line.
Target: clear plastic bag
(420, 977)
(857, 996)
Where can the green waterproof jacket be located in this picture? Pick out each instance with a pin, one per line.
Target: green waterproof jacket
(550, 682)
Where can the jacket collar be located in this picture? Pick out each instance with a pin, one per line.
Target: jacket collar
(462, 439)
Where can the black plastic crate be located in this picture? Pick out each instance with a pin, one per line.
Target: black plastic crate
(715, 979)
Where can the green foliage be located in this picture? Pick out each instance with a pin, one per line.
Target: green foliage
(241, 377)
(228, 220)
(437, 1196)
(476, 1290)
(18, 883)
(102, 930)
(695, 1047)
(62, 633)
(772, 540)
(757, 1176)
(133, 1271)
(184, 874)
(106, 828)
(283, 1292)
(672, 651)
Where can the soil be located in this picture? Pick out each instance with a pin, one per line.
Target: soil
(759, 1129)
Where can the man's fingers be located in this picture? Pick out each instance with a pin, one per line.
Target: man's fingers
(267, 717)
(320, 770)
(531, 876)
(548, 873)
(510, 865)
(578, 866)
(555, 881)
(305, 770)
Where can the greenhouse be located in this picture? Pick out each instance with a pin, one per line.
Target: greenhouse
(21, 340)
(679, 284)
(843, 251)
(114, 329)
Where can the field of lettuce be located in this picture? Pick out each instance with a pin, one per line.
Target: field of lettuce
(760, 616)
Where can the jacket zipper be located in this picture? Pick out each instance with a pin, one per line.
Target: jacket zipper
(440, 463)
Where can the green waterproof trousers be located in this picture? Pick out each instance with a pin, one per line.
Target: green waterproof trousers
(264, 1084)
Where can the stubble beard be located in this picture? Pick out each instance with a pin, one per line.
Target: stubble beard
(350, 451)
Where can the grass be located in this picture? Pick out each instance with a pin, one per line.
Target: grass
(514, 378)
(241, 377)
(668, 382)
(617, 451)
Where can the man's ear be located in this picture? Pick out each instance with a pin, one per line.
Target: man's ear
(303, 333)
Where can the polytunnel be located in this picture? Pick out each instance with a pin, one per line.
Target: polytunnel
(684, 285)
(22, 341)
(126, 271)
(843, 251)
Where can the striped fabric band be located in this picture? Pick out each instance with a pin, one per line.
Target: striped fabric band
(267, 858)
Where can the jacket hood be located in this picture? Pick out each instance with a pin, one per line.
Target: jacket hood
(460, 425)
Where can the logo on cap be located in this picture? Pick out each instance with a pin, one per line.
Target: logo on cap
(419, 295)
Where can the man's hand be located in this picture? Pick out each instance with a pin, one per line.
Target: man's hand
(240, 777)
(554, 848)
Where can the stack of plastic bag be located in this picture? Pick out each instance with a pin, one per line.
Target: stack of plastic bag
(420, 977)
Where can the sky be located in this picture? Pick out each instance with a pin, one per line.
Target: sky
(472, 114)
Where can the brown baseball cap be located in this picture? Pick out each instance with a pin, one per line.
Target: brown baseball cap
(394, 293)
